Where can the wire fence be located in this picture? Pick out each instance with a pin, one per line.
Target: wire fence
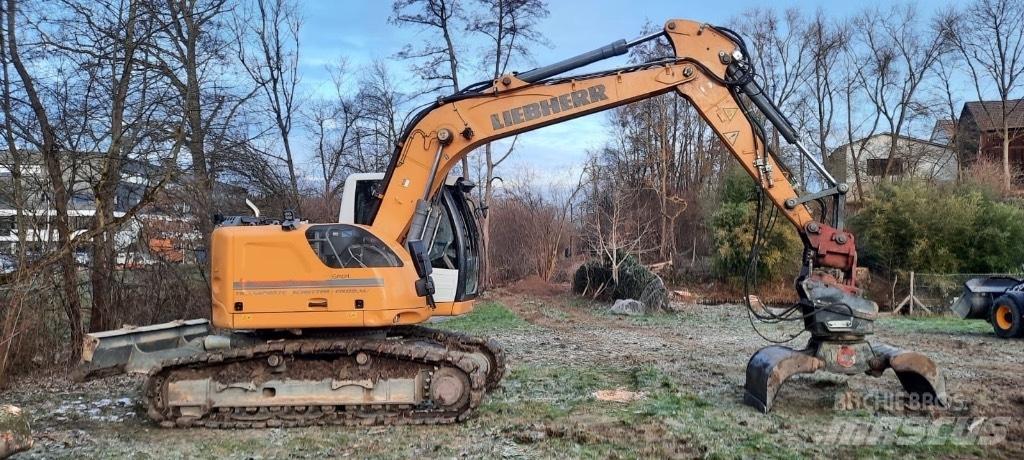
(936, 292)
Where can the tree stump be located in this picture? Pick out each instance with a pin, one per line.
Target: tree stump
(15, 434)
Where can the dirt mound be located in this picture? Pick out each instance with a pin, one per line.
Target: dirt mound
(535, 285)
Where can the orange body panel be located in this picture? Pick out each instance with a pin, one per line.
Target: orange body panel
(264, 277)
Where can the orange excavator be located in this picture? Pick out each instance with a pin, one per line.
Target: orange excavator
(320, 323)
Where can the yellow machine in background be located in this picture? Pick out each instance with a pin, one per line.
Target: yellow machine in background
(318, 320)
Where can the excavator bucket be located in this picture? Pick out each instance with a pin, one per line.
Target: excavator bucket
(917, 373)
(114, 352)
(769, 368)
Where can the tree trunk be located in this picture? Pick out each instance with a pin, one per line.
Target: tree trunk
(1007, 174)
(202, 184)
(485, 220)
(51, 152)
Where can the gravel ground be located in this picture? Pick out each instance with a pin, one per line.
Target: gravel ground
(682, 374)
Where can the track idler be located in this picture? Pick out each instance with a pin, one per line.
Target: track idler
(770, 367)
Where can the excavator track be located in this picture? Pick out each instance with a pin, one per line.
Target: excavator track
(407, 375)
(464, 342)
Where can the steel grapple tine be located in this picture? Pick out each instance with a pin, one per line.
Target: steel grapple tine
(768, 370)
(918, 374)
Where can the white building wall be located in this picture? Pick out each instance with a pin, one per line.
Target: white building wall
(923, 160)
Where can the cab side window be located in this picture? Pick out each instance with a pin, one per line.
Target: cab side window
(348, 246)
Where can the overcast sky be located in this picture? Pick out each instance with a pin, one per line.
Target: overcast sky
(358, 30)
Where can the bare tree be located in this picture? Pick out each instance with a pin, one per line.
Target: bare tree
(268, 50)
(438, 60)
(534, 226)
(614, 230)
(664, 150)
(11, 316)
(128, 119)
(825, 40)
(946, 86)
(334, 124)
(858, 127)
(384, 105)
(989, 36)
(45, 140)
(104, 46)
(190, 55)
(510, 27)
(14, 162)
(781, 55)
(898, 55)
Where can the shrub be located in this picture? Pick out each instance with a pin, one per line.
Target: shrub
(591, 278)
(914, 226)
(732, 228)
(635, 282)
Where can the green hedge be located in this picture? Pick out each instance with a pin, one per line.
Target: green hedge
(961, 229)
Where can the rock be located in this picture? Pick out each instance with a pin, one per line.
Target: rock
(15, 434)
(629, 307)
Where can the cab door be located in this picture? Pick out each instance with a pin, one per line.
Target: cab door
(451, 231)
(454, 245)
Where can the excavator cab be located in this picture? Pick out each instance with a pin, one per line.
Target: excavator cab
(451, 235)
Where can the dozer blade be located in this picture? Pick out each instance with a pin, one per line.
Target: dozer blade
(120, 350)
(769, 368)
(917, 373)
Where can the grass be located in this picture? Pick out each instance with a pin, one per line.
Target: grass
(934, 324)
(486, 317)
(550, 392)
(719, 428)
(710, 426)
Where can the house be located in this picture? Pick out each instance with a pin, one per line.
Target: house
(165, 228)
(943, 132)
(980, 132)
(863, 163)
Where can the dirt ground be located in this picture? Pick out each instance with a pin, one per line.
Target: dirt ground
(671, 386)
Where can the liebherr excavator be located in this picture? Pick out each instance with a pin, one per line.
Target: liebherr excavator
(319, 323)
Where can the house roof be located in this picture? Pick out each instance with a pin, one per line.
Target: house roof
(943, 127)
(989, 114)
(905, 138)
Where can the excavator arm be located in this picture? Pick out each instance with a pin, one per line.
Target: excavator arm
(710, 69)
(700, 71)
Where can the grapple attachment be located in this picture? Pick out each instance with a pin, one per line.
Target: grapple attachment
(917, 373)
(770, 367)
